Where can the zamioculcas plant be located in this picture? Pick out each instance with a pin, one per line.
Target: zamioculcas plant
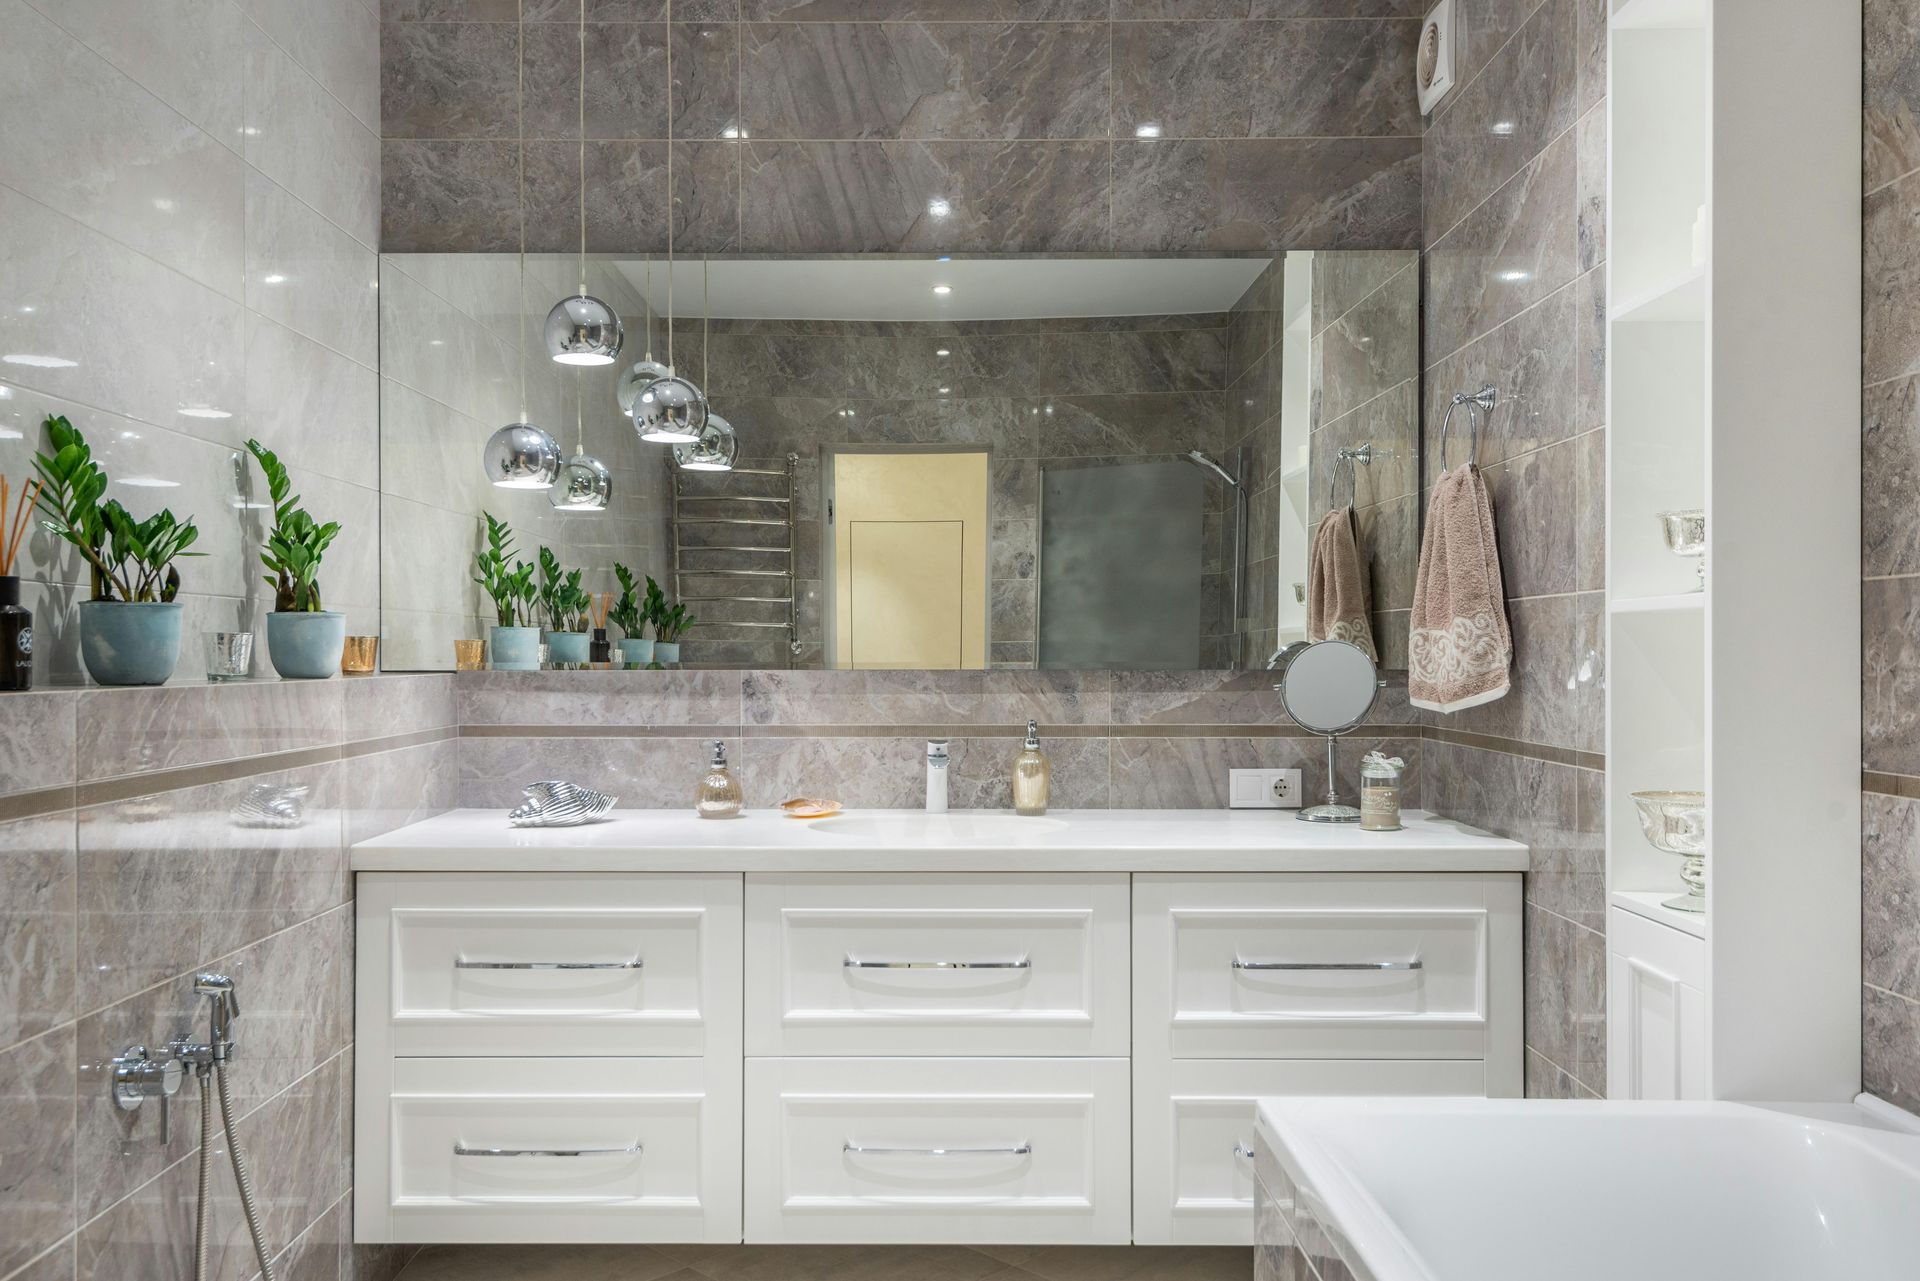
(566, 603)
(296, 542)
(507, 581)
(130, 560)
(626, 606)
(655, 607)
(673, 624)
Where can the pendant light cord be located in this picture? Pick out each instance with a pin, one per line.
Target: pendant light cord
(706, 322)
(583, 146)
(520, 127)
(670, 366)
(647, 302)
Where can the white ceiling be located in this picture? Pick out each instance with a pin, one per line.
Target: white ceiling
(983, 288)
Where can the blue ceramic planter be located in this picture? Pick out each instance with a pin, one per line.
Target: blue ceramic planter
(129, 644)
(567, 647)
(306, 646)
(666, 651)
(515, 649)
(636, 651)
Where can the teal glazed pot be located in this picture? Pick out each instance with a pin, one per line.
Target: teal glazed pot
(636, 651)
(125, 643)
(567, 647)
(514, 649)
(306, 646)
(666, 651)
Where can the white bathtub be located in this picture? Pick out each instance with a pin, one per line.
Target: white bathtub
(1505, 1190)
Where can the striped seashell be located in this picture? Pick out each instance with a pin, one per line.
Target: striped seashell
(557, 803)
(271, 805)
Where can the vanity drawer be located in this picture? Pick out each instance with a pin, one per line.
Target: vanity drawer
(585, 1149)
(1328, 966)
(937, 1150)
(641, 964)
(936, 964)
(1193, 1130)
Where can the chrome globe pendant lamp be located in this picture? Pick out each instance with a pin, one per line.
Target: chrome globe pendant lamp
(670, 410)
(717, 447)
(521, 455)
(582, 330)
(635, 378)
(584, 483)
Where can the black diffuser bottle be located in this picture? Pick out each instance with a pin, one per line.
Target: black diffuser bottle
(16, 638)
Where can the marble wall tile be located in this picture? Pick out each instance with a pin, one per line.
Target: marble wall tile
(298, 1005)
(187, 53)
(1127, 426)
(146, 1234)
(1483, 27)
(652, 699)
(1890, 1044)
(315, 408)
(1591, 222)
(1549, 518)
(644, 773)
(109, 155)
(924, 80)
(387, 790)
(309, 275)
(922, 10)
(1889, 471)
(1557, 697)
(337, 41)
(1188, 773)
(305, 139)
(1566, 994)
(864, 697)
(133, 731)
(982, 772)
(1890, 675)
(1547, 1080)
(377, 706)
(449, 194)
(1196, 698)
(808, 197)
(36, 1150)
(626, 73)
(1890, 282)
(1891, 120)
(37, 750)
(37, 925)
(450, 80)
(1370, 348)
(1268, 193)
(117, 1152)
(1590, 337)
(1890, 893)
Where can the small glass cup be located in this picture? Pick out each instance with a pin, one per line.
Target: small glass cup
(469, 655)
(229, 655)
(360, 655)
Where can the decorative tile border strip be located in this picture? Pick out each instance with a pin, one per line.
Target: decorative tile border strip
(948, 730)
(1905, 786)
(1516, 747)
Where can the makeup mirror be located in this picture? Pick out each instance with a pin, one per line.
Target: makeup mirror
(1328, 688)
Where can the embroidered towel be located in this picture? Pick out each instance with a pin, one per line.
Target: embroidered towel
(1337, 584)
(1460, 651)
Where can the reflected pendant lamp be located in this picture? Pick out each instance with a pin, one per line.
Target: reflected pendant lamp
(716, 450)
(584, 483)
(634, 379)
(582, 330)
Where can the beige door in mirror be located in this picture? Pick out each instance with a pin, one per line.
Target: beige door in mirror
(1328, 688)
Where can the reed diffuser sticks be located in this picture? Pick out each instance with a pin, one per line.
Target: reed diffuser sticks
(15, 531)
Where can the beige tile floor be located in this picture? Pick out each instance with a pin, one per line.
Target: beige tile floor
(827, 1263)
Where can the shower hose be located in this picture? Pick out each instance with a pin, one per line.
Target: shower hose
(213, 1081)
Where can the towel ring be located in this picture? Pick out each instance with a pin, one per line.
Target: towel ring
(1348, 456)
(1484, 399)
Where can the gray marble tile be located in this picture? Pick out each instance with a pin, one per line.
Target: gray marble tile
(851, 197)
(1196, 698)
(1590, 33)
(449, 80)
(134, 731)
(1370, 347)
(1319, 79)
(185, 52)
(1500, 120)
(982, 771)
(865, 698)
(149, 1233)
(1890, 675)
(1193, 10)
(314, 1255)
(1558, 669)
(1890, 893)
(37, 748)
(293, 1146)
(1546, 1080)
(1012, 608)
(309, 275)
(1266, 193)
(1509, 253)
(643, 773)
(1566, 994)
(1192, 773)
(924, 80)
(1890, 278)
(1591, 223)
(377, 706)
(55, 1265)
(1129, 426)
(656, 699)
(862, 773)
(387, 790)
(337, 41)
(452, 196)
(922, 10)
(1549, 517)
(1590, 333)
(36, 1146)
(1890, 1048)
(1482, 28)
(1891, 122)
(625, 191)
(37, 925)
(1889, 473)
(306, 140)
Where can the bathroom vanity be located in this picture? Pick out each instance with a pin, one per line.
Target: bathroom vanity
(896, 1026)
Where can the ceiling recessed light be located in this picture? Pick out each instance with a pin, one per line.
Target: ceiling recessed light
(1147, 130)
(943, 290)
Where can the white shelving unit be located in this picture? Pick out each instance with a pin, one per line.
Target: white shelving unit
(1733, 372)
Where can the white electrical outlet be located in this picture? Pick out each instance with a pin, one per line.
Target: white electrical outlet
(1263, 789)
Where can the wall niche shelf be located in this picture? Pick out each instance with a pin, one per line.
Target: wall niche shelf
(1682, 299)
(1675, 603)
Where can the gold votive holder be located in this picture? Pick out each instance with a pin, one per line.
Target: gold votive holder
(360, 655)
(469, 655)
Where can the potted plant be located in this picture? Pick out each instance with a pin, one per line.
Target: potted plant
(130, 630)
(635, 650)
(515, 642)
(568, 608)
(304, 640)
(670, 623)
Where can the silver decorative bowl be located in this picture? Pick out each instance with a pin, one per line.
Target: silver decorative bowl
(557, 803)
(1676, 823)
(1686, 535)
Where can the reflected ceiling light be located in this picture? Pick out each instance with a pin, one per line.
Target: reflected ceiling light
(582, 330)
(38, 362)
(146, 482)
(733, 132)
(943, 290)
(275, 279)
(1513, 277)
(943, 352)
(945, 390)
(584, 483)
(939, 208)
(204, 411)
(716, 449)
(1147, 130)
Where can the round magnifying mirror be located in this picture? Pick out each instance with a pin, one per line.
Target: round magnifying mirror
(1329, 688)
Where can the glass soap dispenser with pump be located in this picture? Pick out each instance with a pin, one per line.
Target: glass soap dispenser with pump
(1030, 776)
(719, 795)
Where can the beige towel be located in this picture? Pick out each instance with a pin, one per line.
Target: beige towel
(1337, 584)
(1460, 651)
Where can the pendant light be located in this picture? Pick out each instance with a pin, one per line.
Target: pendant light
(521, 455)
(584, 484)
(582, 330)
(670, 410)
(645, 370)
(717, 447)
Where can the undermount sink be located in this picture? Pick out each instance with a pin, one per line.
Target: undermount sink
(946, 829)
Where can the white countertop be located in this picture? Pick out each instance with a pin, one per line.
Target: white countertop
(958, 841)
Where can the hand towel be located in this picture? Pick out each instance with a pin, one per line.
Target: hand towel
(1337, 584)
(1460, 652)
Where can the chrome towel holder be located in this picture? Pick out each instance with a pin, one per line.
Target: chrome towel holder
(1348, 455)
(1482, 400)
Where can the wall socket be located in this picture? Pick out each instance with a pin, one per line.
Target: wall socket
(1263, 789)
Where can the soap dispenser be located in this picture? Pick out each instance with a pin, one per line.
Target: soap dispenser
(1030, 776)
(719, 795)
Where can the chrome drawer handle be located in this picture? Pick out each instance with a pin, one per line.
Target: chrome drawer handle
(1244, 1151)
(853, 963)
(1022, 1148)
(1371, 966)
(461, 1149)
(462, 963)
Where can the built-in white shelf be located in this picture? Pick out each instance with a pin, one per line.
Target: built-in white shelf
(1683, 298)
(1650, 905)
(1678, 603)
(1667, 15)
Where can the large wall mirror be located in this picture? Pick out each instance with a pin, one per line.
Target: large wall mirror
(1076, 462)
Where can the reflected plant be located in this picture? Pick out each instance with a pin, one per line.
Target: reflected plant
(626, 613)
(130, 560)
(508, 582)
(569, 607)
